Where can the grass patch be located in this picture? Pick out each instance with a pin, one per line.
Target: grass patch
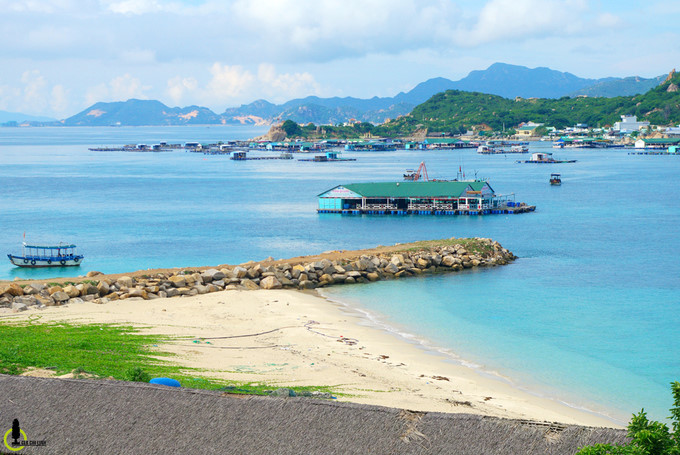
(99, 349)
(108, 351)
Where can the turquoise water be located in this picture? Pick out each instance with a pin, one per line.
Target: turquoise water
(587, 314)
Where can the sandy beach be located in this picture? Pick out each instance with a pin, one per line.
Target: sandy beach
(293, 338)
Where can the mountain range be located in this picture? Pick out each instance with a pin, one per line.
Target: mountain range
(508, 81)
(18, 117)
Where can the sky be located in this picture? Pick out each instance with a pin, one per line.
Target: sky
(61, 56)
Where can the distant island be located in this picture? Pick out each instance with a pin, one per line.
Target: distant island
(500, 79)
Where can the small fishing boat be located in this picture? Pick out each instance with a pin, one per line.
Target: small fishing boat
(555, 179)
(33, 256)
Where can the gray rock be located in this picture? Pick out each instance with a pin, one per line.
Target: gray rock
(27, 300)
(307, 284)
(201, 289)
(76, 300)
(212, 275)
(60, 296)
(391, 268)
(239, 272)
(172, 292)
(86, 288)
(16, 306)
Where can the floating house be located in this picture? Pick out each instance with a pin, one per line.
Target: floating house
(423, 198)
(328, 157)
(371, 146)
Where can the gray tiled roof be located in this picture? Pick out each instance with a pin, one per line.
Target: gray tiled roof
(110, 417)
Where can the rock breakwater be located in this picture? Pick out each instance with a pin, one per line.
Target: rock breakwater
(332, 268)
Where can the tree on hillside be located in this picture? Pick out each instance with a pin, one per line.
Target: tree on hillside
(291, 128)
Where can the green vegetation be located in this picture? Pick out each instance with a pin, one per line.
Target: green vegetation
(99, 349)
(648, 437)
(456, 112)
(108, 351)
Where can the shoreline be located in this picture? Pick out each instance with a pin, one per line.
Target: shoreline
(449, 355)
(311, 340)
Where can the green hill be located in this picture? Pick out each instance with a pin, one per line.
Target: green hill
(455, 111)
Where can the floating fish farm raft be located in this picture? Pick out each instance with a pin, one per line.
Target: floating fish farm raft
(436, 197)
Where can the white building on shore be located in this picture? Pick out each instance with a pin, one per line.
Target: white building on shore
(629, 124)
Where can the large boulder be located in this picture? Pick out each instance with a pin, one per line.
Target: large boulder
(71, 291)
(12, 289)
(391, 268)
(27, 300)
(178, 281)
(55, 289)
(306, 284)
(60, 297)
(212, 275)
(87, 289)
(249, 284)
(270, 282)
(125, 282)
(136, 292)
(240, 272)
(103, 287)
(16, 306)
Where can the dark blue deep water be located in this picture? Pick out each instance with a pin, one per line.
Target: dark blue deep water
(588, 314)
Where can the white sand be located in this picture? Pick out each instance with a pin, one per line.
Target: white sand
(290, 338)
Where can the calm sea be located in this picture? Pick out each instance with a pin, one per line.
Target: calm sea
(588, 314)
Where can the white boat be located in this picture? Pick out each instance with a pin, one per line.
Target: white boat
(34, 256)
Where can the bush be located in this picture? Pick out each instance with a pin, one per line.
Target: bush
(136, 374)
(648, 437)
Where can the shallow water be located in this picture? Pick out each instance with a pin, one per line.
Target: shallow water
(587, 314)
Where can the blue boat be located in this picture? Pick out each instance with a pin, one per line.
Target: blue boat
(34, 256)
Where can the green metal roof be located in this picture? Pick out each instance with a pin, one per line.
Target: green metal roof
(442, 140)
(414, 189)
(662, 141)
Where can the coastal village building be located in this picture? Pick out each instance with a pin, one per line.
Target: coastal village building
(528, 129)
(629, 124)
(660, 143)
(401, 198)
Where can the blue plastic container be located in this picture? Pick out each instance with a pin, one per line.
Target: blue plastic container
(165, 381)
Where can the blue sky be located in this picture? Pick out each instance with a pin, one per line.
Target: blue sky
(60, 56)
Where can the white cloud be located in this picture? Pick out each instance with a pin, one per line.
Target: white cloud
(59, 101)
(126, 87)
(34, 90)
(138, 56)
(501, 20)
(231, 85)
(290, 85)
(229, 82)
(134, 6)
(181, 89)
(609, 20)
(120, 88)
